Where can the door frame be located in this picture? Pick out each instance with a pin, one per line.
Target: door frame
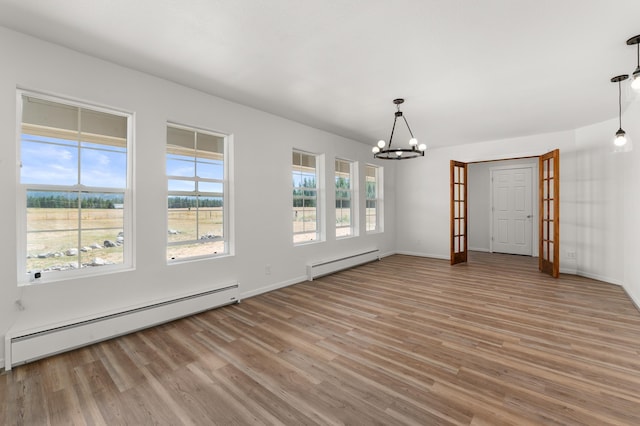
(556, 265)
(534, 202)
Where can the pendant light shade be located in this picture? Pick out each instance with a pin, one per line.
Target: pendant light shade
(635, 77)
(386, 152)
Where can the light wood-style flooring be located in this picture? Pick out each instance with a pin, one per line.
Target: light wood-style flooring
(403, 341)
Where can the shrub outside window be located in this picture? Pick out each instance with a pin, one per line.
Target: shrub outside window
(197, 213)
(74, 189)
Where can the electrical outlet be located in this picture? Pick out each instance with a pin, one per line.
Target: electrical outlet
(571, 255)
(267, 269)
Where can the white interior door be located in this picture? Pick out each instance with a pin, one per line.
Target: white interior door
(512, 212)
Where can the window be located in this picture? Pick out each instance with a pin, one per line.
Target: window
(373, 181)
(306, 217)
(345, 202)
(197, 213)
(74, 189)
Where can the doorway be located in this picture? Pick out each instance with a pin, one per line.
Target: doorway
(548, 220)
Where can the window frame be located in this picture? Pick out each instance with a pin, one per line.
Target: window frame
(378, 199)
(226, 238)
(353, 198)
(25, 278)
(318, 173)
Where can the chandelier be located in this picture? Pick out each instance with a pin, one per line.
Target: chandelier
(390, 153)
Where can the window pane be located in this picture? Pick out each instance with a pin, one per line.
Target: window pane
(48, 162)
(182, 185)
(181, 166)
(210, 221)
(52, 250)
(210, 169)
(101, 247)
(211, 187)
(103, 168)
(182, 219)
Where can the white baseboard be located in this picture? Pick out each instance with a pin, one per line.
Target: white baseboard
(597, 277)
(419, 254)
(272, 287)
(635, 301)
(570, 271)
(482, 249)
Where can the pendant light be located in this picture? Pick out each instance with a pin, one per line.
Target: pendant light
(620, 140)
(415, 150)
(635, 77)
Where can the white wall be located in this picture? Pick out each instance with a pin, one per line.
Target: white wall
(261, 187)
(630, 207)
(479, 198)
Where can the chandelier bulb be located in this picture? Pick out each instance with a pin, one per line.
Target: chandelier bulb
(381, 143)
(399, 153)
(422, 147)
(375, 150)
(413, 142)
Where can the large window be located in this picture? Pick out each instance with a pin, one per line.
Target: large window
(197, 187)
(345, 202)
(373, 182)
(306, 213)
(74, 189)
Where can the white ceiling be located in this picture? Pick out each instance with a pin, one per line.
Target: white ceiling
(470, 70)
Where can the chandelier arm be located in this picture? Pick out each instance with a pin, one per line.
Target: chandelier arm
(392, 130)
(638, 55)
(407, 123)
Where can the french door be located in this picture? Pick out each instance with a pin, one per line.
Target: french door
(549, 218)
(458, 212)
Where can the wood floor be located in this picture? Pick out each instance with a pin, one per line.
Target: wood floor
(402, 341)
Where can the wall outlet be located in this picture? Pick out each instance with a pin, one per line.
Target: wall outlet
(267, 269)
(571, 255)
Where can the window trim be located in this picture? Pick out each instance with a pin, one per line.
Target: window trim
(128, 263)
(379, 199)
(226, 196)
(353, 197)
(319, 173)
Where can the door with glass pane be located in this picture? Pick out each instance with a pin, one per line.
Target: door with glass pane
(458, 212)
(549, 181)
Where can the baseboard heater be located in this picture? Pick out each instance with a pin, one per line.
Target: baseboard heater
(28, 345)
(325, 267)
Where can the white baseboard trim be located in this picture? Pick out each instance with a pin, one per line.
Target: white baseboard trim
(387, 254)
(273, 287)
(2, 366)
(598, 277)
(431, 255)
(482, 249)
(570, 271)
(635, 301)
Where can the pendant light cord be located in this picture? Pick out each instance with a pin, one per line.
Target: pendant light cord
(620, 103)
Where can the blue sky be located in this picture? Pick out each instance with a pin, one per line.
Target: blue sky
(55, 162)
